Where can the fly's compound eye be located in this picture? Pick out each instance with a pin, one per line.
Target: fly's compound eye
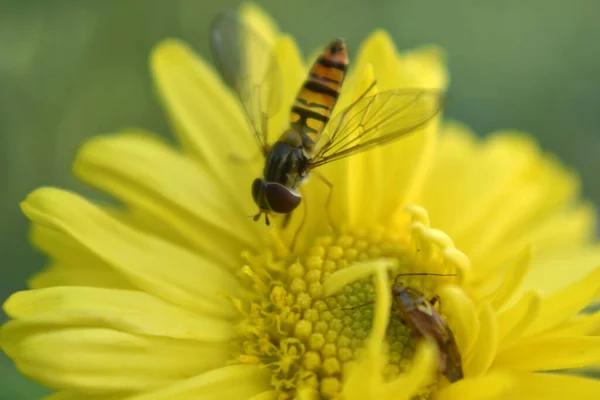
(257, 186)
(281, 199)
(258, 194)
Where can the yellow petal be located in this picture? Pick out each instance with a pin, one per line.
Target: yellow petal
(579, 325)
(462, 316)
(555, 387)
(363, 171)
(379, 51)
(456, 144)
(483, 221)
(71, 395)
(484, 350)
(562, 237)
(420, 374)
(555, 271)
(495, 385)
(573, 227)
(293, 74)
(512, 280)
(259, 20)
(60, 274)
(383, 304)
(365, 379)
(546, 354)
(567, 302)
(124, 310)
(513, 321)
(151, 264)
(100, 360)
(74, 265)
(365, 382)
(353, 273)
(208, 121)
(146, 173)
(424, 67)
(231, 382)
(268, 395)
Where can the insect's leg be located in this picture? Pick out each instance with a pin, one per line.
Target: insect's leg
(415, 334)
(398, 315)
(286, 220)
(328, 200)
(295, 237)
(358, 306)
(436, 299)
(430, 388)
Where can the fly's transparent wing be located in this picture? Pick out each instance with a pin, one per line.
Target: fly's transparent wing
(376, 120)
(248, 63)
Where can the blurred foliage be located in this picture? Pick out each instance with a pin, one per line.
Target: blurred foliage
(72, 69)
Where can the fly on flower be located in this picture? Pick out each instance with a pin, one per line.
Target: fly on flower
(421, 317)
(313, 138)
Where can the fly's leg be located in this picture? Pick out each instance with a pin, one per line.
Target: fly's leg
(328, 200)
(436, 299)
(287, 219)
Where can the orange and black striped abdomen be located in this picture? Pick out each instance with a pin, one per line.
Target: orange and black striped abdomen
(317, 97)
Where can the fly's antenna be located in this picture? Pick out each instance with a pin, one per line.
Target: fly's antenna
(257, 217)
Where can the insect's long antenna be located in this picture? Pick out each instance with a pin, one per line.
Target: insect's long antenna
(358, 306)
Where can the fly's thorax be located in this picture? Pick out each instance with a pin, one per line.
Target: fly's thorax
(286, 162)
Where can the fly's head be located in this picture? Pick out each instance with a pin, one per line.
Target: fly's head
(273, 197)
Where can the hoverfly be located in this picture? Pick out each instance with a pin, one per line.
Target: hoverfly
(248, 64)
(421, 317)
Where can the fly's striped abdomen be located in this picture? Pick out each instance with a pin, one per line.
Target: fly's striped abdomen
(317, 97)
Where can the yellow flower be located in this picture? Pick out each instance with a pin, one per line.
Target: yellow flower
(179, 295)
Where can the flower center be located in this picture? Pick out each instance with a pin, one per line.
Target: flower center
(309, 340)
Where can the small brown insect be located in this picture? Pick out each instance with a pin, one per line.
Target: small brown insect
(421, 317)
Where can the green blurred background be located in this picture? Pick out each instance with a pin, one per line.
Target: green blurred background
(73, 69)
